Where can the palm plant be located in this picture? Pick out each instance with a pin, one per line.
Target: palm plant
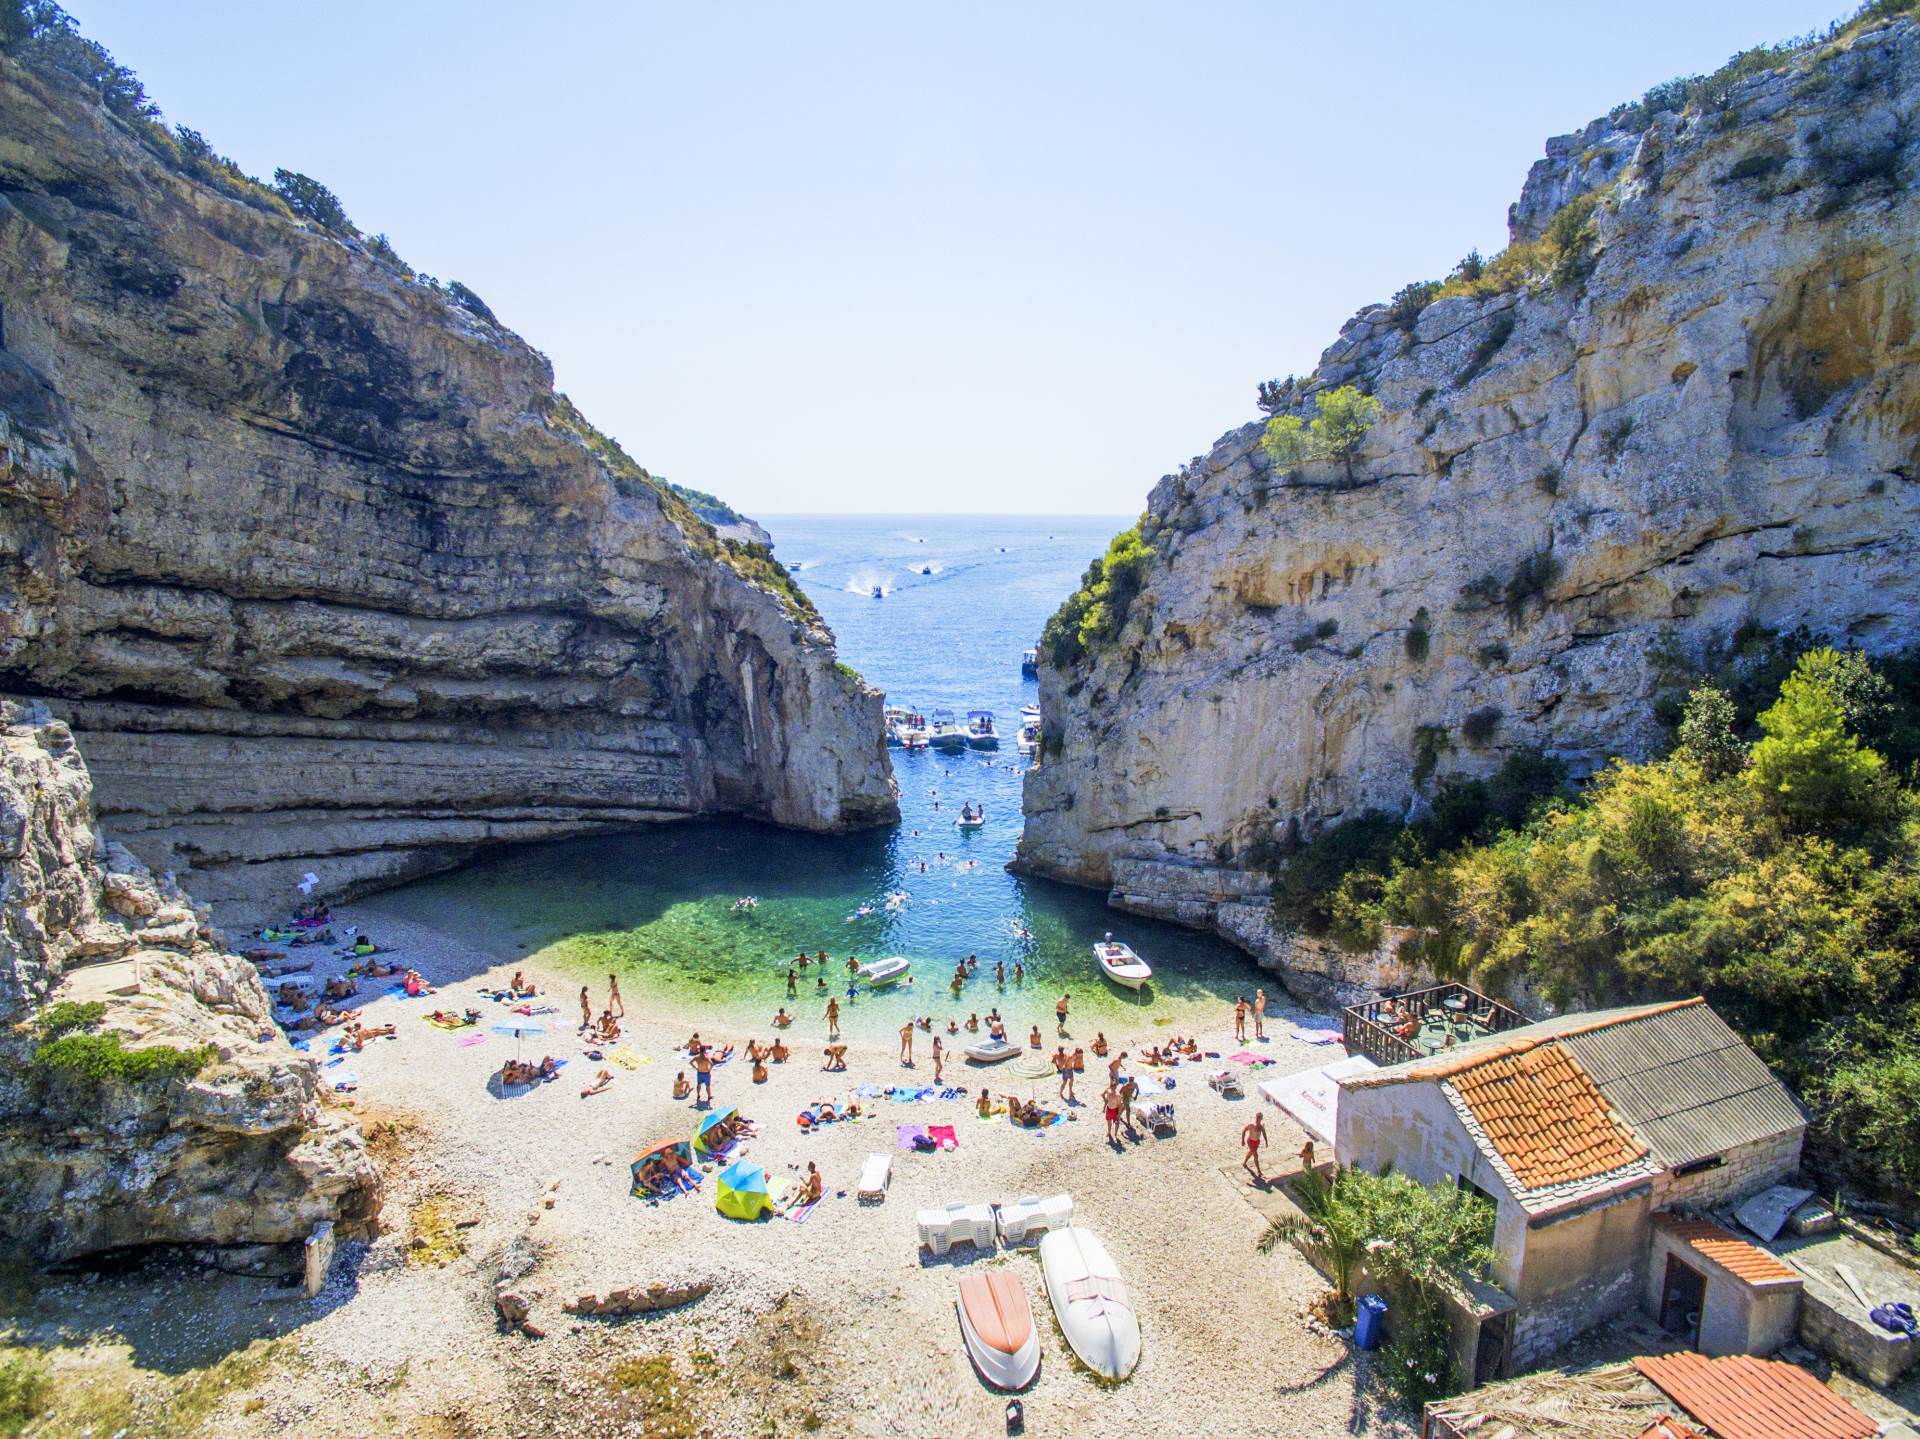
(1333, 1229)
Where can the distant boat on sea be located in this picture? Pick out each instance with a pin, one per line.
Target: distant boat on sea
(981, 733)
(1030, 664)
(947, 736)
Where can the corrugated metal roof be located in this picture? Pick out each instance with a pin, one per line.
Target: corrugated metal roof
(1513, 1041)
(1685, 1082)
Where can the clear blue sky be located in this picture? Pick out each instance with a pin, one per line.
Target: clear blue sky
(903, 256)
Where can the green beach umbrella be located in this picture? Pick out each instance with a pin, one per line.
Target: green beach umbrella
(741, 1191)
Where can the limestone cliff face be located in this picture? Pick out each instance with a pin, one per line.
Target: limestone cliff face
(324, 574)
(243, 1153)
(1574, 488)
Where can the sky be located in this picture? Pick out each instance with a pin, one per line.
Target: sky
(992, 257)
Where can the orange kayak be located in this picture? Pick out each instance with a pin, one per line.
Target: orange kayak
(997, 1325)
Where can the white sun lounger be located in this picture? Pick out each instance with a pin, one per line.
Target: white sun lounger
(1025, 1218)
(1226, 1082)
(941, 1229)
(875, 1175)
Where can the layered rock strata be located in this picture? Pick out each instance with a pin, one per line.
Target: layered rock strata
(1706, 418)
(326, 576)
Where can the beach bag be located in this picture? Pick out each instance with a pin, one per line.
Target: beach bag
(923, 1145)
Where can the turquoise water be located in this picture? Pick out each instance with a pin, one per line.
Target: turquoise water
(657, 907)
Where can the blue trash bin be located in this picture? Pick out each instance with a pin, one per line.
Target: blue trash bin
(1373, 1314)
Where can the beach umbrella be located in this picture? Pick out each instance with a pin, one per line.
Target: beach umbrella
(518, 1032)
(741, 1191)
(718, 1117)
(640, 1162)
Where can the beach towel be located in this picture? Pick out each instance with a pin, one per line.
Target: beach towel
(347, 1082)
(799, 1216)
(447, 1022)
(628, 1059)
(1318, 1036)
(904, 1135)
(470, 1041)
(301, 1044)
(329, 1064)
(943, 1135)
(1255, 1061)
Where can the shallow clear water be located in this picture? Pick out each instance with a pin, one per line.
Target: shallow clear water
(657, 906)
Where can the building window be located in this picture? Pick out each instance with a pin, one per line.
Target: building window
(1699, 1166)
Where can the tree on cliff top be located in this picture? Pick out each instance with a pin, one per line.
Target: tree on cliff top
(1341, 422)
(311, 200)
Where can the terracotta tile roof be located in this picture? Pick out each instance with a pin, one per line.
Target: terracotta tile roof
(1733, 1254)
(1518, 1041)
(1668, 1427)
(1545, 1117)
(1740, 1397)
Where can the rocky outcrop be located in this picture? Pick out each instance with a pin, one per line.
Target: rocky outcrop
(227, 1146)
(326, 576)
(1707, 417)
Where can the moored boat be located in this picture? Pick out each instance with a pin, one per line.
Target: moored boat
(997, 1325)
(906, 727)
(1091, 1301)
(1030, 663)
(1120, 964)
(981, 733)
(882, 972)
(947, 735)
(1027, 742)
(1030, 714)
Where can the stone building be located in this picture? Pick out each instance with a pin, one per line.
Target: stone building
(1581, 1130)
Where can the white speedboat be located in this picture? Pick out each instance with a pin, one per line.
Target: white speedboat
(980, 731)
(1121, 965)
(906, 728)
(1091, 1301)
(883, 972)
(1027, 742)
(1030, 714)
(997, 1326)
(991, 1051)
(947, 735)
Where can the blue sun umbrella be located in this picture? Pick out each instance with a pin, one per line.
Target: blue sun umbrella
(708, 1124)
(741, 1191)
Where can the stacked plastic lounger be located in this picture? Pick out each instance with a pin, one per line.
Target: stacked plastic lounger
(1225, 1081)
(1025, 1218)
(875, 1175)
(941, 1229)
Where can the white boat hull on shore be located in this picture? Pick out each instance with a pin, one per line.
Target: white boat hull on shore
(1121, 965)
(991, 1051)
(996, 1323)
(883, 972)
(1091, 1301)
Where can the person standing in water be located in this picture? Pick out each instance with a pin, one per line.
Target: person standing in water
(833, 1019)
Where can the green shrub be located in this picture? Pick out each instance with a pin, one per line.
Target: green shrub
(1404, 310)
(1094, 614)
(68, 1016)
(23, 1388)
(1430, 741)
(1563, 255)
(310, 200)
(1342, 420)
(102, 1058)
(1707, 735)
(1417, 1363)
(1419, 636)
(711, 508)
(1529, 583)
(1810, 769)
(1481, 726)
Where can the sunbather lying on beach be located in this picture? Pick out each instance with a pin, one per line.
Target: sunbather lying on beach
(295, 996)
(364, 946)
(339, 987)
(325, 1017)
(379, 969)
(1025, 1113)
(600, 1083)
(447, 1016)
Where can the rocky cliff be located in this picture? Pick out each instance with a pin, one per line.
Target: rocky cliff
(1685, 401)
(146, 1096)
(326, 576)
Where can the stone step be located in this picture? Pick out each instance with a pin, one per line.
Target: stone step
(97, 981)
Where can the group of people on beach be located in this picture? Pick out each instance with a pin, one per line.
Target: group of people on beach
(606, 1028)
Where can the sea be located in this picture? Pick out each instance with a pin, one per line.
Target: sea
(960, 597)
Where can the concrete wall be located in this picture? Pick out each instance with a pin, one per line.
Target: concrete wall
(1828, 1324)
(1748, 1169)
(1736, 1317)
(1577, 1273)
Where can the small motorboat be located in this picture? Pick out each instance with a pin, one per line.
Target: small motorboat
(926, 569)
(1030, 714)
(991, 1051)
(1091, 1301)
(882, 972)
(878, 593)
(1030, 664)
(972, 818)
(980, 731)
(1027, 742)
(1121, 965)
(947, 735)
(997, 1325)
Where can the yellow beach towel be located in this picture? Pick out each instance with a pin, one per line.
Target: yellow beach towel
(627, 1059)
